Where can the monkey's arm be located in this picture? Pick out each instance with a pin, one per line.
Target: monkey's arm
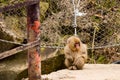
(69, 57)
(84, 53)
(81, 56)
(84, 56)
(68, 54)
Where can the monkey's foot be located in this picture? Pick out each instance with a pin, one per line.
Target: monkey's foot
(72, 68)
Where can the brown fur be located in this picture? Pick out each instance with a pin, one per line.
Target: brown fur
(75, 57)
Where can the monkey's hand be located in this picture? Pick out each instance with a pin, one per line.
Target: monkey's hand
(69, 57)
(79, 62)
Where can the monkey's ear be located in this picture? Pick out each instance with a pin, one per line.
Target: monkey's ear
(68, 41)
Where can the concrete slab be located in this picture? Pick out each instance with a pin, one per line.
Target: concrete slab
(90, 72)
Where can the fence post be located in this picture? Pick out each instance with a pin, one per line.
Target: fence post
(33, 31)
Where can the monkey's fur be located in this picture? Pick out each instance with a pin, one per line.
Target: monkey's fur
(75, 53)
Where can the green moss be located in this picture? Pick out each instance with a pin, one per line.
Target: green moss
(8, 2)
(12, 66)
(101, 59)
(43, 8)
(12, 30)
(3, 45)
(53, 64)
(96, 19)
(8, 75)
(23, 74)
(109, 3)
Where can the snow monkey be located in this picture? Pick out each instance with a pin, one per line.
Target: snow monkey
(75, 53)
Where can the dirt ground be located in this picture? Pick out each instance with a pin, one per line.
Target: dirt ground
(90, 72)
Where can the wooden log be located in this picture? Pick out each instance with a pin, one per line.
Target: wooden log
(18, 49)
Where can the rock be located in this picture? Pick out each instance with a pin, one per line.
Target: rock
(8, 75)
(9, 34)
(10, 67)
(90, 72)
(16, 65)
(49, 65)
(53, 64)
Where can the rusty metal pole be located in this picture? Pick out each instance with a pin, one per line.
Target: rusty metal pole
(33, 30)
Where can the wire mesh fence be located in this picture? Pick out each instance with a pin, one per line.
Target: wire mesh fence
(12, 26)
(13, 23)
(100, 28)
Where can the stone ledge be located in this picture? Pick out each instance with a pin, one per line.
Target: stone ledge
(90, 72)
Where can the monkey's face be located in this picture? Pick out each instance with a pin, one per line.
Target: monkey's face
(77, 45)
(74, 43)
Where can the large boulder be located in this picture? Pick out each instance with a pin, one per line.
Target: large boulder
(9, 34)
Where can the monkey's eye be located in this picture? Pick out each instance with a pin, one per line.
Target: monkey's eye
(78, 43)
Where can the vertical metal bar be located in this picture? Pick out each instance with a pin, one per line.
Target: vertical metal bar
(75, 31)
(33, 30)
(75, 18)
